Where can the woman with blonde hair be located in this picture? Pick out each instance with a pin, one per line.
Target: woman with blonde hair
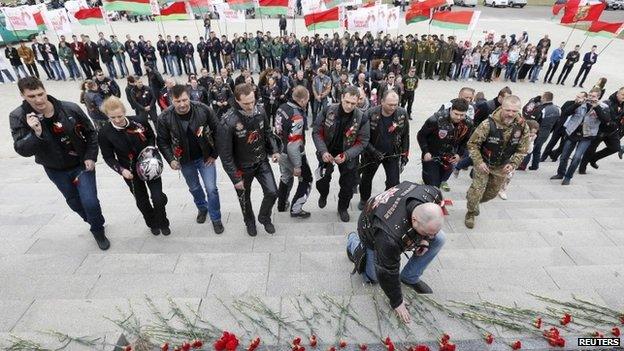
(122, 141)
(602, 82)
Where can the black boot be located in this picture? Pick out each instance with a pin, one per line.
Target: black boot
(282, 195)
(101, 239)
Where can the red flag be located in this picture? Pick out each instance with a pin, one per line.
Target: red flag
(575, 11)
(417, 12)
(606, 28)
(434, 3)
(557, 8)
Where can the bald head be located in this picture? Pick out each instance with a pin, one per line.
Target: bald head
(427, 219)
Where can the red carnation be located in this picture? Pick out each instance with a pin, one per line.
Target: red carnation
(128, 348)
(567, 318)
(419, 348)
(538, 323)
(447, 346)
(389, 344)
(615, 331)
(164, 347)
(313, 341)
(254, 344)
(342, 344)
(622, 319)
(296, 341)
(363, 347)
(445, 338)
(197, 344)
(331, 349)
(489, 338)
(186, 346)
(57, 128)
(178, 151)
(598, 334)
(516, 345)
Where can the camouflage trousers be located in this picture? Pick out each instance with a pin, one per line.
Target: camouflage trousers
(484, 187)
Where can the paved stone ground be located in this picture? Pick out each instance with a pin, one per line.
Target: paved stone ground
(546, 238)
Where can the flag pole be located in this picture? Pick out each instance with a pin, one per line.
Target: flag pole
(584, 40)
(609, 43)
(570, 35)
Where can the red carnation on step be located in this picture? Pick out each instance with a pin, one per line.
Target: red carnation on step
(313, 341)
(389, 344)
(342, 344)
(186, 346)
(164, 347)
(363, 347)
(331, 348)
(128, 348)
(598, 334)
(615, 331)
(538, 323)
(254, 344)
(445, 338)
(489, 338)
(419, 348)
(228, 341)
(567, 318)
(447, 346)
(516, 345)
(296, 341)
(197, 344)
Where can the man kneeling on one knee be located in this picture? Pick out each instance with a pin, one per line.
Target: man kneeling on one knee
(406, 217)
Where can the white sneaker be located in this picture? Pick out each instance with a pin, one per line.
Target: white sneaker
(502, 194)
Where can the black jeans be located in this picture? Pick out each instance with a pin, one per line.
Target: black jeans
(86, 69)
(348, 175)
(552, 68)
(408, 100)
(303, 189)
(564, 73)
(369, 167)
(434, 172)
(46, 68)
(32, 68)
(153, 212)
(612, 143)
(584, 71)
(557, 134)
(264, 174)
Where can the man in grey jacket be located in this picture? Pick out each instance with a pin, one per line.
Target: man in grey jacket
(580, 128)
(548, 116)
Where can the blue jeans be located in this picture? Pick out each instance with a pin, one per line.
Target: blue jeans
(121, 62)
(17, 70)
(112, 72)
(174, 69)
(8, 74)
(535, 74)
(82, 196)
(192, 171)
(568, 147)
(413, 269)
(58, 70)
(72, 68)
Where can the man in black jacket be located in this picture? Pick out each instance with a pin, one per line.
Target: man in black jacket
(388, 145)
(558, 131)
(42, 57)
(186, 140)
(406, 217)
(442, 140)
(245, 141)
(282, 26)
(163, 51)
(146, 101)
(483, 110)
(571, 59)
(340, 135)
(547, 115)
(64, 142)
(610, 133)
(106, 86)
(11, 53)
(93, 54)
(291, 125)
(588, 61)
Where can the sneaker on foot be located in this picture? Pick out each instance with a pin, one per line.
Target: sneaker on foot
(420, 286)
(165, 231)
(251, 230)
(556, 177)
(344, 215)
(269, 227)
(101, 240)
(300, 214)
(594, 165)
(218, 227)
(155, 231)
(201, 216)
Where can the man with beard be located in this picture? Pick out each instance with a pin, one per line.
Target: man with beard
(388, 145)
(64, 142)
(442, 140)
(497, 147)
(610, 133)
(245, 141)
(340, 135)
(406, 217)
(290, 126)
(186, 141)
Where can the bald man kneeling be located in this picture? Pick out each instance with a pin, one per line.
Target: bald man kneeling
(406, 217)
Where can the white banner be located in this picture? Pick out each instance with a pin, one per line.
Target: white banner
(19, 18)
(155, 8)
(231, 16)
(363, 19)
(311, 6)
(58, 21)
(394, 15)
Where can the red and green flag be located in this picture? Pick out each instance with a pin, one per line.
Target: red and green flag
(241, 5)
(323, 20)
(605, 29)
(580, 11)
(433, 3)
(174, 12)
(331, 3)
(455, 19)
(200, 6)
(90, 16)
(417, 12)
(273, 7)
(141, 7)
